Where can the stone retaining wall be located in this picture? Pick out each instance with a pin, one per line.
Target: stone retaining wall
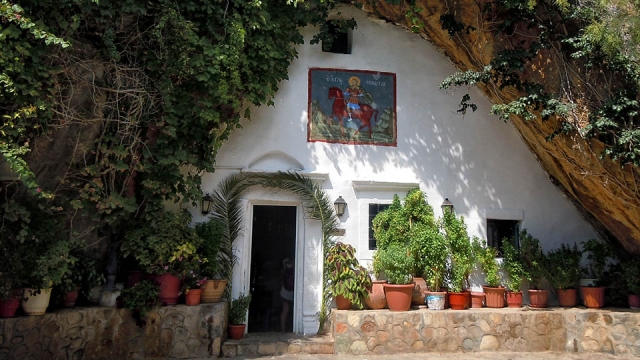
(106, 333)
(574, 330)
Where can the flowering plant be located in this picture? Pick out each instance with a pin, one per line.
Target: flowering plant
(187, 263)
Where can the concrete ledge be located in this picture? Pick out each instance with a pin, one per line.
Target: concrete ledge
(106, 333)
(613, 331)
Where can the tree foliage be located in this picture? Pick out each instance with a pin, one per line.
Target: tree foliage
(599, 38)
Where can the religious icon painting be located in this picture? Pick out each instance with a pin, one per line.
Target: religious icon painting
(352, 107)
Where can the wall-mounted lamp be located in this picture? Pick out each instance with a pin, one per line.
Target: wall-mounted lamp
(446, 206)
(340, 206)
(205, 204)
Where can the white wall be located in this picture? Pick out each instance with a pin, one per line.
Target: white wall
(477, 161)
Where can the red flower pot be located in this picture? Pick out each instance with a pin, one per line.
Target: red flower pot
(494, 297)
(398, 296)
(634, 301)
(236, 332)
(593, 297)
(538, 298)
(8, 307)
(514, 299)
(192, 298)
(568, 297)
(169, 288)
(375, 297)
(458, 301)
(477, 299)
(70, 298)
(343, 303)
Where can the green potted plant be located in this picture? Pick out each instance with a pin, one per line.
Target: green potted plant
(494, 292)
(435, 256)
(140, 299)
(512, 263)
(348, 280)
(211, 233)
(399, 224)
(158, 243)
(84, 273)
(536, 265)
(461, 259)
(564, 272)
(396, 263)
(238, 315)
(188, 264)
(598, 255)
(631, 272)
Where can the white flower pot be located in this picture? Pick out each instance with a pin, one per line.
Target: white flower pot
(36, 304)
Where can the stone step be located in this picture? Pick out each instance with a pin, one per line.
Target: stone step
(271, 344)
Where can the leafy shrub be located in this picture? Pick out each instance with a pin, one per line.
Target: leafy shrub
(347, 277)
(396, 262)
(564, 266)
(238, 309)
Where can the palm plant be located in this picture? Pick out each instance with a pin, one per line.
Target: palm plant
(226, 208)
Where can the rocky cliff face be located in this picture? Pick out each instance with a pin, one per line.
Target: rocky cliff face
(603, 190)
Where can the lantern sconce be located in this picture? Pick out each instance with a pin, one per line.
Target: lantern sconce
(205, 204)
(340, 206)
(446, 206)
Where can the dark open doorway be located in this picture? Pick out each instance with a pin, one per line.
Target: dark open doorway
(273, 240)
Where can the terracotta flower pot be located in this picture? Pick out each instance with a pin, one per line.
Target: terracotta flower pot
(417, 298)
(477, 299)
(70, 298)
(343, 303)
(458, 301)
(634, 301)
(398, 296)
(467, 294)
(236, 332)
(375, 296)
(192, 297)
(212, 291)
(568, 297)
(435, 300)
(9, 307)
(169, 288)
(538, 298)
(494, 297)
(593, 297)
(514, 299)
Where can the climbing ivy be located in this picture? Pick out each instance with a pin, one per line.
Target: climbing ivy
(149, 89)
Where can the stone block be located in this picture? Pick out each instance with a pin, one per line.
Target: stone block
(229, 350)
(489, 343)
(358, 347)
(468, 344)
(267, 349)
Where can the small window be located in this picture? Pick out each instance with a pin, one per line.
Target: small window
(341, 43)
(374, 209)
(499, 231)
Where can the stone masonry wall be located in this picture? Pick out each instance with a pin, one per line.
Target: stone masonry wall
(107, 333)
(573, 330)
